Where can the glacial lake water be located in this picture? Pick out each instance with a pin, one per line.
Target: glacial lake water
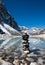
(16, 43)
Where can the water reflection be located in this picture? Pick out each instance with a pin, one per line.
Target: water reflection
(37, 43)
(16, 43)
(11, 43)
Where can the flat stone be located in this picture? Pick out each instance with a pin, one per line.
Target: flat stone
(34, 58)
(21, 64)
(24, 55)
(5, 63)
(31, 54)
(27, 51)
(33, 63)
(2, 62)
(40, 60)
(30, 59)
(28, 55)
(16, 62)
(24, 62)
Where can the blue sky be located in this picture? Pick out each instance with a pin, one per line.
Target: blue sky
(29, 13)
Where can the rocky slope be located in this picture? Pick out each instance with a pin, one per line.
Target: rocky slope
(7, 23)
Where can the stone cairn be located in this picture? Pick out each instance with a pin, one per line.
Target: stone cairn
(25, 43)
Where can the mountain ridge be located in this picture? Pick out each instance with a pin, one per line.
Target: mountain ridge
(8, 20)
(33, 30)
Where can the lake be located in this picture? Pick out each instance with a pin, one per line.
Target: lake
(16, 43)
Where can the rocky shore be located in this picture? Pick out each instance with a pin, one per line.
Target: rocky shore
(35, 57)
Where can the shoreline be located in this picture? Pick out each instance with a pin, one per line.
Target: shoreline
(38, 36)
(6, 36)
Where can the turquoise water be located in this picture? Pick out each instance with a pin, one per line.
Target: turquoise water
(16, 43)
(37, 43)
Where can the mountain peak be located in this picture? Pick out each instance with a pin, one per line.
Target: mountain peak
(6, 18)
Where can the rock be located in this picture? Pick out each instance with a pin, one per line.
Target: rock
(11, 59)
(16, 62)
(28, 55)
(1, 53)
(34, 58)
(33, 63)
(24, 62)
(2, 62)
(4, 56)
(21, 64)
(24, 55)
(44, 62)
(0, 59)
(27, 51)
(32, 54)
(40, 61)
(6, 63)
(30, 59)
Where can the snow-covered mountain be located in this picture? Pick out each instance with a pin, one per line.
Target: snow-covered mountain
(9, 26)
(7, 23)
(42, 31)
(4, 29)
(23, 28)
(8, 29)
(33, 30)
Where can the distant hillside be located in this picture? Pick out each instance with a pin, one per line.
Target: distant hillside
(32, 31)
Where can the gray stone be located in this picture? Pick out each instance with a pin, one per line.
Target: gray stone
(2, 62)
(40, 60)
(5, 63)
(16, 62)
(30, 59)
(31, 54)
(33, 63)
(21, 64)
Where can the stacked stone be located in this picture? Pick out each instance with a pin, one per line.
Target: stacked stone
(25, 43)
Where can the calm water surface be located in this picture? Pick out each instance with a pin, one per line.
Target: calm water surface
(16, 43)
